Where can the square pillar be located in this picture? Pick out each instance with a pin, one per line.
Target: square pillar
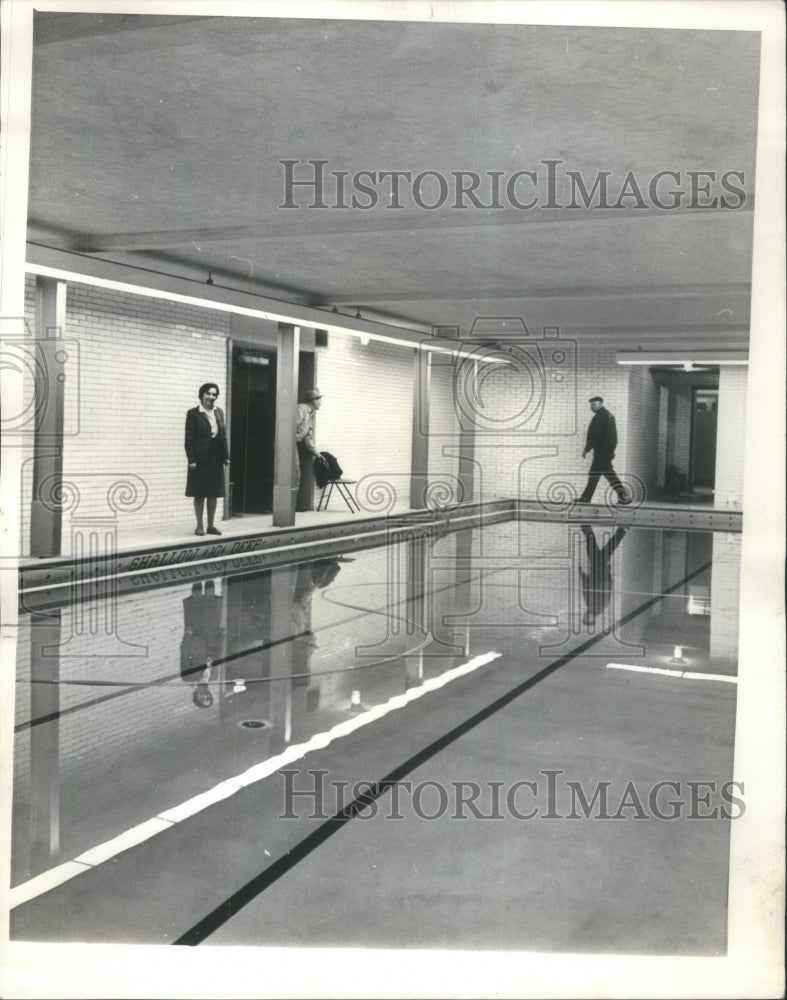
(52, 368)
(419, 461)
(284, 478)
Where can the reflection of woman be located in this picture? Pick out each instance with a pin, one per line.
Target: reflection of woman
(207, 452)
(201, 643)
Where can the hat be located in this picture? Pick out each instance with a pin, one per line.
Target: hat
(595, 399)
(313, 394)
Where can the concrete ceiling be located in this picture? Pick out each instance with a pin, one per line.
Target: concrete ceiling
(157, 142)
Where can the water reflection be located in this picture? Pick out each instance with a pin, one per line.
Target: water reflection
(104, 742)
(202, 640)
(597, 579)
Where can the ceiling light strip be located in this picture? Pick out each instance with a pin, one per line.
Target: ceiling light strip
(299, 316)
(682, 358)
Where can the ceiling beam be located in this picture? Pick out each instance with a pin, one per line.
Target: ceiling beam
(140, 281)
(526, 295)
(287, 226)
(50, 27)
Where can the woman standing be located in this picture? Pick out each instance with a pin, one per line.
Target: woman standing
(207, 452)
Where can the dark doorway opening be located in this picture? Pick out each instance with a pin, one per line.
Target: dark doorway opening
(253, 430)
(702, 462)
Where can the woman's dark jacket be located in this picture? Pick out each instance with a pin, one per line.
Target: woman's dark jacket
(198, 435)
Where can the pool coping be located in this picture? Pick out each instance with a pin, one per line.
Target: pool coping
(43, 581)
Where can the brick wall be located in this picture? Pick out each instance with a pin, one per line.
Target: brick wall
(725, 596)
(731, 438)
(366, 417)
(444, 430)
(27, 441)
(681, 442)
(141, 362)
(641, 431)
(527, 464)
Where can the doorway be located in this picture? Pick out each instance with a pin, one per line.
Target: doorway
(702, 461)
(253, 428)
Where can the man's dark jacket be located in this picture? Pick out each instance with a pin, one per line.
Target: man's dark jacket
(602, 434)
(326, 469)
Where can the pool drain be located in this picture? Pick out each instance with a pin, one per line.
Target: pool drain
(254, 724)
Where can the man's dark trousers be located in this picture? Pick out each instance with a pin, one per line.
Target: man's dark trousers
(602, 466)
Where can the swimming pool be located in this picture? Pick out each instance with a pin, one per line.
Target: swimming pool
(227, 758)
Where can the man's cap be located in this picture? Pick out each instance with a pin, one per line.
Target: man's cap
(313, 394)
(595, 399)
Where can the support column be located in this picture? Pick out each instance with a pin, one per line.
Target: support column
(417, 605)
(228, 421)
(466, 465)
(284, 485)
(52, 358)
(463, 585)
(661, 460)
(45, 740)
(283, 580)
(419, 461)
(16, 74)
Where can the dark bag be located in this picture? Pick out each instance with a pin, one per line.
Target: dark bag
(326, 468)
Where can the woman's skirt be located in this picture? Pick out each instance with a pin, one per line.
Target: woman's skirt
(207, 480)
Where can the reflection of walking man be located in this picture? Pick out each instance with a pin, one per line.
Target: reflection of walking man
(597, 582)
(602, 440)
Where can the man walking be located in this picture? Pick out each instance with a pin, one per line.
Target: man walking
(602, 440)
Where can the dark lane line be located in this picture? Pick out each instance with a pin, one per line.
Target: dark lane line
(237, 900)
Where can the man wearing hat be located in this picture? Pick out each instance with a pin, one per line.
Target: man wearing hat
(304, 430)
(602, 440)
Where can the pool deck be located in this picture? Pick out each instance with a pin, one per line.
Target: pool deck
(250, 541)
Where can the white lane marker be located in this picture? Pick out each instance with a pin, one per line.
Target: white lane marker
(129, 838)
(45, 881)
(192, 806)
(165, 820)
(683, 674)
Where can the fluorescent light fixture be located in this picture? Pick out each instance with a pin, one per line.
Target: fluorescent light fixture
(251, 359)
(299, 317)
(684, 359)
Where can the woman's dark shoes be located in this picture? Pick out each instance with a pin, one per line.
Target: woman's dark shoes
(213, 531)
(200, 531)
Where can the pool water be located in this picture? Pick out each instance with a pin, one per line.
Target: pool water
(153, 728)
